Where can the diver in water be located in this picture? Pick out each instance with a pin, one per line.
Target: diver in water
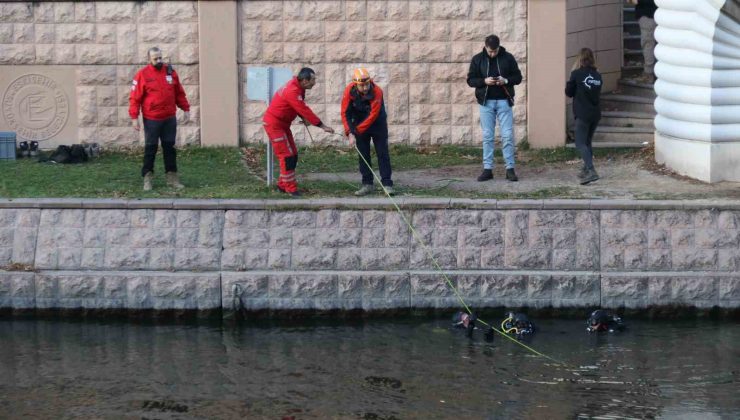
(601, 320)
(518, 324)
(467, 321)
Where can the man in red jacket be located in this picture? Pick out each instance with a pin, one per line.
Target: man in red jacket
(288, 103)
(156, 89)
(363, 115)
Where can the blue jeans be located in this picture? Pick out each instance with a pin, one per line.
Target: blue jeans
(492, 110)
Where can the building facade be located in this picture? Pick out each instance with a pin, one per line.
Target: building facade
(66, 67)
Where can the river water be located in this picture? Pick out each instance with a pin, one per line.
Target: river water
(375, 369)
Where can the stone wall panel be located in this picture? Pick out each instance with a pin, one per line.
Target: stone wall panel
(427, 42)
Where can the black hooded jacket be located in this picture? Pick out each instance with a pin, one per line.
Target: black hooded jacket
(482, 66)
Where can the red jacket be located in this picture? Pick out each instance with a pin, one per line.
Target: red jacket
(156, 94)
(288, 103)
(360, 112)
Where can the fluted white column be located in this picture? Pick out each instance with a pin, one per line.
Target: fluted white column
(698, 88)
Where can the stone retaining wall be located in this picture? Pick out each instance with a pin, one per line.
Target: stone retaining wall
(359, 254)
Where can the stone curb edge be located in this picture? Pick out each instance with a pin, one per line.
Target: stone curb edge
(372, 203)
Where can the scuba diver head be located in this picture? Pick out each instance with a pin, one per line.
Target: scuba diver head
(465, 320)
(518, 324)
(601, 320)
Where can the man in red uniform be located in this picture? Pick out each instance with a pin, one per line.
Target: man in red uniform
(363, 115)
(288, 103)
(156, 89)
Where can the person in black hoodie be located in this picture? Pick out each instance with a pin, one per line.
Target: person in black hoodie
(584, 87)
(493, 73)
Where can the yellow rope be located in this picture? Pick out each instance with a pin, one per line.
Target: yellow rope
(437, 266)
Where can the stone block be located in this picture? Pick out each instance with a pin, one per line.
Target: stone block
(262, 10)
(530, 258)
(313, 258)
(448, 9)
(430, 285)
(17, 290)
(17, 54)
(695, 259)
(93, 258)
(16, 12)
(127, 258)
(729, 289)
(84, 12)
(198, 258)
(429, 52)
(502, 287)
(444, 257)
(23, 245)
(75, 33)
(540, 287)
(177, 11)
(675, 219)
(624, 288)
(81, 287)
(373, 238)
(659, 290)
(42, 12)
(349, 258)
(695, 289)
(582, 290)
(303, 219)
(126, 53)
(115, 12)
(384, 259)
(392, 31)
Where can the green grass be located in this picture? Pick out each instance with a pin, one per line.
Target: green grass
(222, 173)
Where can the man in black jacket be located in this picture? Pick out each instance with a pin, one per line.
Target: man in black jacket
(494, 73)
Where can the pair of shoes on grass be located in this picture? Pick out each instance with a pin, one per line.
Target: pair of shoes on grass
(28, 149)
(369, 189)
(487, 174)
(173, 180)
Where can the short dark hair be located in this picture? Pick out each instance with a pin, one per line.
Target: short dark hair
(492, 42)
(306, 73)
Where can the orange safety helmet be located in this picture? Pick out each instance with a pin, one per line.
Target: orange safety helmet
(361, 76)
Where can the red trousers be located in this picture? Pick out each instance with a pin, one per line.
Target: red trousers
(283, 145)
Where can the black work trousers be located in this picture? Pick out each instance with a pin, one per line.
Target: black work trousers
(584, 135)
(154, 131)
(379, 137)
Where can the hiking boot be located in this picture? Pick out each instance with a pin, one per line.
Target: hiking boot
(389, 189)
(511, 175)
(590, 176)
(582, 172)
(173, 180)
(365, 190)
(148, 181)
(485, 175)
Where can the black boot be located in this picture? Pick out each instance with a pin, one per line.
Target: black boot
(511, 175)
(23, 147)
(582, 172)
(485, 175)
(590, 176)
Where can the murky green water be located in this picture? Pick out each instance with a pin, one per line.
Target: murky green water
(409, 368)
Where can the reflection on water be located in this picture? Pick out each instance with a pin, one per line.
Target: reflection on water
(408, 368)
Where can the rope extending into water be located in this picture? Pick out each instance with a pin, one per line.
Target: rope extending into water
(430, 255)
